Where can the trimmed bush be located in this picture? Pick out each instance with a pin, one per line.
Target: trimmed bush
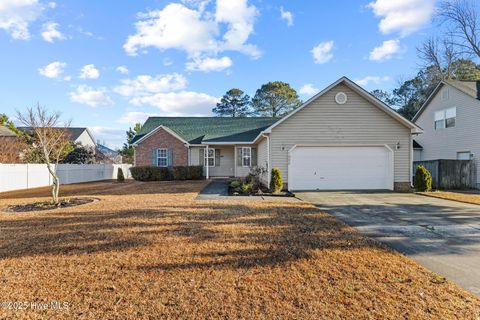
(120, 176)
(423, 179)
(276, 181)
(246, 188)
(187, 173)
(148, 173)
(235, 184)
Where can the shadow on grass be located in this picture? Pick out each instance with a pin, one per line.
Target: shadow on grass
(242, 236)
(110, 187)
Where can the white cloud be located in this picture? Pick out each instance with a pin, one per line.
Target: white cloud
(386, 51)
(308, 89)
(287, 16)
(135, 117)
(322, 53)
(167, 62)
(179, 103)
(67, 78)
(209, 64)
(112, 137)
(89, 72)
(52, 5)
(371, 79)
(17, 15)
(196, 31)
(50, 32)
(53, 70)
(145, 85)
(122, 69)
(403, 16)
(90, 96)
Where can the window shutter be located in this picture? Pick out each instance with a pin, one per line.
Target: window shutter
(217, 157)
(254, 161)
(170, 157)
(201, 157)
(239, 157)
(154, 157)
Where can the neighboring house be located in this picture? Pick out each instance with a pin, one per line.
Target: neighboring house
(450, 119)
(77, 135)
(10, 146)
(104, 154)
(342, 138)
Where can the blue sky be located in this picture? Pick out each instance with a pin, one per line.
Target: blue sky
(108, 64)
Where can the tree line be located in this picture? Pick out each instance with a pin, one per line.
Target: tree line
(450, 55)
(273, 99)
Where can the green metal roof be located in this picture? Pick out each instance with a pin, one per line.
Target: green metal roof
(196, 130)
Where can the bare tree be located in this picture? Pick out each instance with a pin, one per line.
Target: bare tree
(440, 55)
(50, 141)
(461, 16)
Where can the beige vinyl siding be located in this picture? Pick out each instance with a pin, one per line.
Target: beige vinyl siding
(465, 136)
(226, 167)
(263, 158)
(358, 122)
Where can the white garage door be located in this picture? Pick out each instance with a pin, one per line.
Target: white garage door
(340, 168)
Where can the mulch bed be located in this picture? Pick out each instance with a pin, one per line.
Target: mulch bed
(259, 193)
(46, 205)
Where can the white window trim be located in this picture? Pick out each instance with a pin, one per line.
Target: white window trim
(159, 157)
(246, 157)
(444, 118)
(205, 157)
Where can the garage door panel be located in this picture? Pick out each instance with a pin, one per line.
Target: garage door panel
(336, 168)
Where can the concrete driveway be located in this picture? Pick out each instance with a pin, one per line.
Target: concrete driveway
(442, 235)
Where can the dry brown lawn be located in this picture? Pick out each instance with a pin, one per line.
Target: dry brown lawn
(149, 251)
(472, 197)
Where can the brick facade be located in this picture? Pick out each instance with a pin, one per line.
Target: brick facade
(161, 139)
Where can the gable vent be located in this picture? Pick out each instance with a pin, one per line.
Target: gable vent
(341, 98)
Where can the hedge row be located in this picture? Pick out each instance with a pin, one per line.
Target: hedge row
(149, 173)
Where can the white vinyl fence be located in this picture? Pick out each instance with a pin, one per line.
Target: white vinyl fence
(26, 176)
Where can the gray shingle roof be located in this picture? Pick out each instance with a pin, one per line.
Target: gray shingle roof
(74, 132)
(472, 88)
(5, 132)
(196, 130)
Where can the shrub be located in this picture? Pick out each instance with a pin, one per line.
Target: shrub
(120, 176)
(148, 173)
(247, 188)
(235, 184)
(276, 181)
(423, 179)
(187, 173)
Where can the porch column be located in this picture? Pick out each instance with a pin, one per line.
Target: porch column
(206, 162)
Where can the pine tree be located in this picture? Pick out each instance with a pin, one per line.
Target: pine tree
(235, 103)
(275, 99)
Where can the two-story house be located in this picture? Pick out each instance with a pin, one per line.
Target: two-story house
(450, 119)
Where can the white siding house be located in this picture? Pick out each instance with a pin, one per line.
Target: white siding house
(450, 119)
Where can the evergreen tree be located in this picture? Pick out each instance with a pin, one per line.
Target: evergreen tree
(127, 150)
(235, 103)
(275, 99)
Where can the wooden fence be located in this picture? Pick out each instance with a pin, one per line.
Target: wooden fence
(450, 174)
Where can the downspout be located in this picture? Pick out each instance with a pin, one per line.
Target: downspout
(269, 169)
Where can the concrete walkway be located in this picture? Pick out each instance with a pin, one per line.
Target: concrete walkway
(442, 235)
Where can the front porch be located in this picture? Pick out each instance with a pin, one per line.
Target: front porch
(221, 161)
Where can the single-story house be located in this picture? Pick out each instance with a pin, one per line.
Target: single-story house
(341, 138)
(450, 118)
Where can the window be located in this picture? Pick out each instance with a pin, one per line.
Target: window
(445, 94)
(445, 118)
(162, 157)
(246, 156)
(210, 158)
(464, 155)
